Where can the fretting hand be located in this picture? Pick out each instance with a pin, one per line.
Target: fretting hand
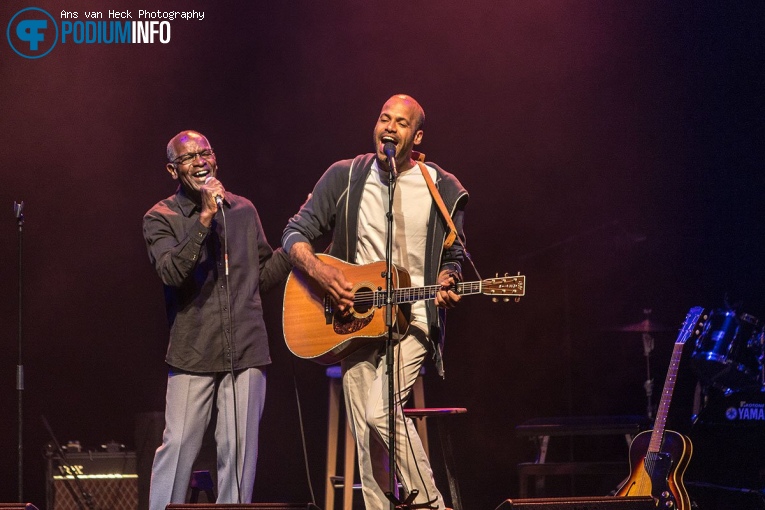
(446, 297)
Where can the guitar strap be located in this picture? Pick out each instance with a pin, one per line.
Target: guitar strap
(452, 234)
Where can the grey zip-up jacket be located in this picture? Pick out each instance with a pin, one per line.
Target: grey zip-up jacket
(334, 206)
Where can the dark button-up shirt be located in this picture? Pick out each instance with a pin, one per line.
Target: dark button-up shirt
(213, 320)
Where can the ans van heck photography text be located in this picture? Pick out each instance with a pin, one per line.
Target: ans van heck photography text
(139, 14)
(141, 26)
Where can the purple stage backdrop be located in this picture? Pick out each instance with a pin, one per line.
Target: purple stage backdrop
(613, 152)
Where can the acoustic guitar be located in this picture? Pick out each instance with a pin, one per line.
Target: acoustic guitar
(315, 329)
(659, 457)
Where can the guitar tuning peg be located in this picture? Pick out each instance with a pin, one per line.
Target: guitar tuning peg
(506, 275)
(496, 275)
(505, 299)
(495, 300)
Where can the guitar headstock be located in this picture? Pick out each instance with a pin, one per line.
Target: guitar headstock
(504, 287)
(694, 323)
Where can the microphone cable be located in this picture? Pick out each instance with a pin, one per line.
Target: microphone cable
(230, 344)
(302, 433)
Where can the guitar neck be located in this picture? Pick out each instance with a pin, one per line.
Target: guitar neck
(412, 294)
(657, 436)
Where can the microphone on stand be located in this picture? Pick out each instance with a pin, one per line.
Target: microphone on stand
(390, 152)
(18, 210)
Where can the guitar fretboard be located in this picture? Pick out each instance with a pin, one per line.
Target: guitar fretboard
(657, 436)
(412, 294)
(503, 287)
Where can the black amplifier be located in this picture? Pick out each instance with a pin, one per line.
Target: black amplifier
(109, 479)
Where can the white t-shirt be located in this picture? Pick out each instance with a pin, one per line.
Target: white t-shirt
(411, 212)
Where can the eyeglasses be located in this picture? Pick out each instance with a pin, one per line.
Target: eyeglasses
(191, 156)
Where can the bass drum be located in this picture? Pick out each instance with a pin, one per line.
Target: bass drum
(728, 351)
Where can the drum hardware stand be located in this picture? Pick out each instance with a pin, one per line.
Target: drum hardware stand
(646, 327)
(648, 345)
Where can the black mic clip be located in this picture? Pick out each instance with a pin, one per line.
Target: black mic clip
(18, 211)
(390, 152)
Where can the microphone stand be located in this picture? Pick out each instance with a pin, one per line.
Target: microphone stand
(395, 503)
(18, 211)
(389, 325)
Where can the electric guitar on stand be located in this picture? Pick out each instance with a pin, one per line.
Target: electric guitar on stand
(314, 329)
(659, 457)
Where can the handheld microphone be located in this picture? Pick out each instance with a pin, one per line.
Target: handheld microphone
(390, 152)
(218, 198)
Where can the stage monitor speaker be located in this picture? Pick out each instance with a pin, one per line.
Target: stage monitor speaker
(598, 503)
(243, 506)
(109, 478)
(17, 506)
(114, 494)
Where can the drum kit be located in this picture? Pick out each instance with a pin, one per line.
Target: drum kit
(728, 355)
(729, 352)
(729, 412)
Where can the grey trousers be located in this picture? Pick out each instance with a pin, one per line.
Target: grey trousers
(189, 406)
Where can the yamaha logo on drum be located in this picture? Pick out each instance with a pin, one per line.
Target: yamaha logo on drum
(746, 412)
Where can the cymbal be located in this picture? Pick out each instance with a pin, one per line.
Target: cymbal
(644, 326)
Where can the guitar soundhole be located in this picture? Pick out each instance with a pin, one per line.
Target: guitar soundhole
(363, 300)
